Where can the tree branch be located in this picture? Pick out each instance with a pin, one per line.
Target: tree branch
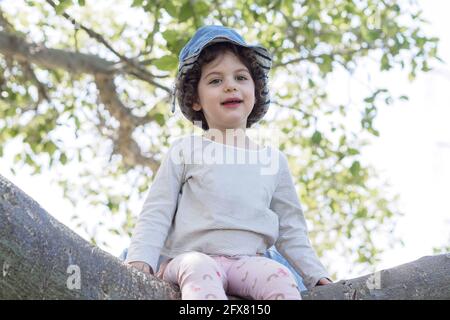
(73, 62)
(31, 75)
(36, 253)
(26, 67)
(103, 71)
(130, 65)
(124, 144)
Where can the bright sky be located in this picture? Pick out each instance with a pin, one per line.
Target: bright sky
(412, 153)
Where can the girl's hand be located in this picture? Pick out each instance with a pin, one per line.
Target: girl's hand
(142, 266)
(323, 281)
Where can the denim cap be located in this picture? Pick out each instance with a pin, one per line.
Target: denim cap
(208, 35)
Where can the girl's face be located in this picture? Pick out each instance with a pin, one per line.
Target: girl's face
(223, 79)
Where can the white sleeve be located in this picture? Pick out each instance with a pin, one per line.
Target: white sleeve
(293, 242)
(159, 208)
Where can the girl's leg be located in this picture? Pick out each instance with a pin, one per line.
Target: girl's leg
(199, 276)
(261, 278)
(273, 253)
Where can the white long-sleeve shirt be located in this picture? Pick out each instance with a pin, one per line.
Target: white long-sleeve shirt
(223, 200)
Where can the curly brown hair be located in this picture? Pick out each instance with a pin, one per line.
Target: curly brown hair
(187, 84)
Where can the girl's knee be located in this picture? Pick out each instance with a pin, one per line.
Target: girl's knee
(281, 272)
(196, 261)
(278, 282)
(197, 275)
(281, 285)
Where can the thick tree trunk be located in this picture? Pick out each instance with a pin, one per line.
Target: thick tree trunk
(42, 259)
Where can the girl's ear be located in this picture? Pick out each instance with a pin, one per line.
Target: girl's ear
(196, 106)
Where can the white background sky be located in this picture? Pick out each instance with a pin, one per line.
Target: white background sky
(412, 153)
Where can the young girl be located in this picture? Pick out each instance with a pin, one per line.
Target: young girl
(214, 207)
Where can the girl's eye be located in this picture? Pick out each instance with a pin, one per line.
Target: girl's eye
(215, 81)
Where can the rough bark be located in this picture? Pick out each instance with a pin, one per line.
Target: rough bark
(423, 279)
(36, 252)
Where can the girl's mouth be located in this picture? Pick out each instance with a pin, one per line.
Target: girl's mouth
(231, 104)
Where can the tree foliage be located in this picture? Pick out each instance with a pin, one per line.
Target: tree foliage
(86, 85)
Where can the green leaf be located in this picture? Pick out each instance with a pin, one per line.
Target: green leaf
(361, 213)
(288, 6)
(170, 8)
(160, 119)
(50, 147)
(137, 3)
(166, 63)
(374, 131)
(175, 41)
(63, 158)
(29, 160)
(62, 6)
(186, 12)
(201, 8)
(113, 206)
(77, 123)
(370, 99)
(355, 168)
(114, 231)
(11, 111)
(170, 35)
(352, 151)
(326, 65)
(385, 65)
(316, 137)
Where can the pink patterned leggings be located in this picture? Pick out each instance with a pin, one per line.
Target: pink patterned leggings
(202, 277)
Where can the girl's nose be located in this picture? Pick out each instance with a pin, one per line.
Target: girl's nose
(230, 89)
(230, 85)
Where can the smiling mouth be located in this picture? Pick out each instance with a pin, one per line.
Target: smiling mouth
(231, 104)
